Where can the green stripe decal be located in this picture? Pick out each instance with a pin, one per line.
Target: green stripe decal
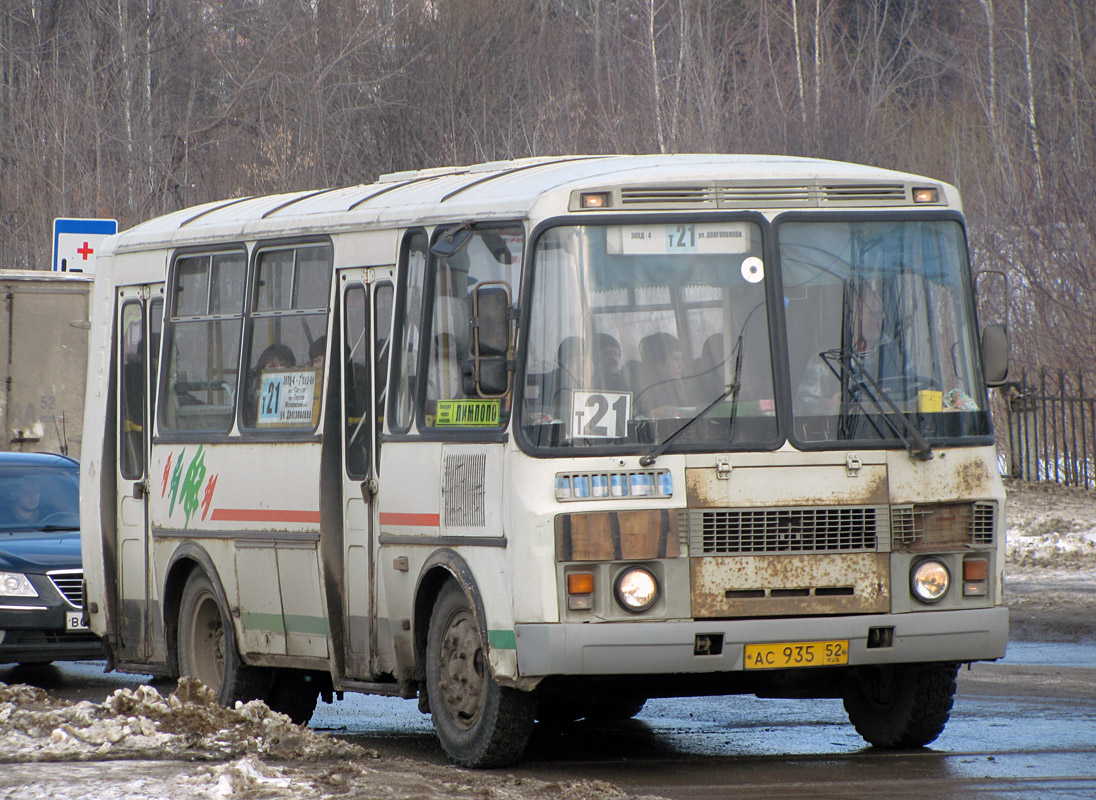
(502, 640)
(290, 623)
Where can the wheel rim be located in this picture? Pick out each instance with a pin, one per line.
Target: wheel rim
(206, 652)
(463, 672)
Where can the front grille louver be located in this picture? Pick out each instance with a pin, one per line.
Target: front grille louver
(784, 530)
(69, 583)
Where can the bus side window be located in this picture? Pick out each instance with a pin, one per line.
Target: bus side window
(357, 404)
(404, 375)
(485, 268)
(286, 337)
(203, 347)
(383, 306)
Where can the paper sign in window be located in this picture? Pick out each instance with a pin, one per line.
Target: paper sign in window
(289, 398)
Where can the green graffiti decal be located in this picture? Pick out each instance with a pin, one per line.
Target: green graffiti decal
(192, 484)
(176, 478)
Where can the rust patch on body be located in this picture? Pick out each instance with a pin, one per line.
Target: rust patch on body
(790, 585)
(787, 486)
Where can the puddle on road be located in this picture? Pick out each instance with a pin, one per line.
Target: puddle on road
(1051, 654)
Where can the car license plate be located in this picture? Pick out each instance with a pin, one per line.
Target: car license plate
(73, 621)
(796, 654)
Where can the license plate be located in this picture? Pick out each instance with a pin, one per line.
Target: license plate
(73, 621)
(796, 654)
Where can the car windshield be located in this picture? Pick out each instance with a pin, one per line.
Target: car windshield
(637, 329)
(37, 498)
(880, 330)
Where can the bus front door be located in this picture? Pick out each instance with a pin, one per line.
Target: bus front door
(355, 345)
(140, 312)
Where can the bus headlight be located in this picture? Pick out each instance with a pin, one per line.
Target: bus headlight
(929, 580)
(636, 589)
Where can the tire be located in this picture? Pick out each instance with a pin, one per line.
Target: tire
(293, 693)
(901, 706)
(479, 723)
(207, 645)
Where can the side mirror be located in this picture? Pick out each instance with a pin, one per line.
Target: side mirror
(491, 339)
(995, 350)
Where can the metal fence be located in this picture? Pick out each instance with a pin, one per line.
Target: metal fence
(1051, 427)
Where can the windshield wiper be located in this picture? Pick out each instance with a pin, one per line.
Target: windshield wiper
(731, 389)
(917, 444)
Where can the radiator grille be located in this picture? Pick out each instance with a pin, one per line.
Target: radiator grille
(70, 583)
(463, 487)
(981, 526)
(942, 525)
(784, 530)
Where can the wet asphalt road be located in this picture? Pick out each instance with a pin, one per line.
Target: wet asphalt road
(1021, 728)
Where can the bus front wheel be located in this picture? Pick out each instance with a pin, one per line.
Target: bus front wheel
(479, 723)
(900, 706)
(207, 645)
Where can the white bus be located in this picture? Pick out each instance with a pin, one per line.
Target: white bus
(542, 439)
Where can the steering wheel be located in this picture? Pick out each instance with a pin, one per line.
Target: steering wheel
(57, 515)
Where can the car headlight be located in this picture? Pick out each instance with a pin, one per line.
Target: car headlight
(15, 584)
(636, 589)
(929, 580)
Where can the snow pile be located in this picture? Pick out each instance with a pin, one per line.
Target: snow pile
(141, 723)
(1050, 526)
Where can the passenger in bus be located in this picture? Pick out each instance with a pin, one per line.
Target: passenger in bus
(661, 377)
(608, 372)
(317, 352)
(709, 371)
(276, 356)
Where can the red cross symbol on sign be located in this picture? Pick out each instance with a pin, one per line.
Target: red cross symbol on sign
(85, 251)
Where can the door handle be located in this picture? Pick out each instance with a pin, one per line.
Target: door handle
(140, 489)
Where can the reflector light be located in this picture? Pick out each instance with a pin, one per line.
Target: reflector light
(594, 200)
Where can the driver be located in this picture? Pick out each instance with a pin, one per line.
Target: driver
(25, 500)
(819, 392)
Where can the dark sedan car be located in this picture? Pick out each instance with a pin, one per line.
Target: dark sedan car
(41, 577)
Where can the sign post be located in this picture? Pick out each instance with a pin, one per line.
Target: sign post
(76, 243)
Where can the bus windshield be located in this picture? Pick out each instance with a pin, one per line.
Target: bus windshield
(880, 325)
(636, 329)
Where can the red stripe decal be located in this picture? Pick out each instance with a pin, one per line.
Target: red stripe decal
(264, 515)
(411, 520)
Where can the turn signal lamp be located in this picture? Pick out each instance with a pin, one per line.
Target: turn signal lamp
(927, 194)
(975, 576)
(580, 590)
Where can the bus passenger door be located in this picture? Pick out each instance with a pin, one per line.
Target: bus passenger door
(359, 297)
(140, 312)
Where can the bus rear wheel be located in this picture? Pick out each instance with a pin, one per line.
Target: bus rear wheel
(207, 645)
(901, 706)
(479, 723)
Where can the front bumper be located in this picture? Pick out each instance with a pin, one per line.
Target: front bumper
(644, 648)
(38, 633)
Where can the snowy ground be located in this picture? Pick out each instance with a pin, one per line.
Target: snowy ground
(139, 744)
